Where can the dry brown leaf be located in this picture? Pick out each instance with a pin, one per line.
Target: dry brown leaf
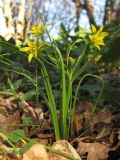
(63, 146)
(78, 123)
(96, 151)
(104, 116)
(5, 102)
(113, 137)
(2, 121)
(103, 131)
(36, 152)
(87, 108)
(36, 114)
(9, 123)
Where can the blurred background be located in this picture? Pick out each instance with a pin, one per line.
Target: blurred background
(67, 20)
(16, 16)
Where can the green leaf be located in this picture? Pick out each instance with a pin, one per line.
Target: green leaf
(28, 95)
(16, 135)
(26, 121)
(26, 147)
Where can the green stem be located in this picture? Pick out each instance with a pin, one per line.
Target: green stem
(51, 100)
(76, 95)
(36, 88)
(63, 85)
(10, 46)
(64, 98)
(71, 47)
(83, 68)
(70, 106)
(6, 139)
(79, 59)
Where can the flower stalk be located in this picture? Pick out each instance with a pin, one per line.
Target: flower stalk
(63, 123)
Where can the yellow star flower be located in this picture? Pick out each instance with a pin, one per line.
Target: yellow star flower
(32, 48)
(37, 30)
(98, 36)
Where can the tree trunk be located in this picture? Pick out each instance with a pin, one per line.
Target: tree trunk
(3, 27)
(9, 19)
(89, 9)
(27, 18)
(77, 11)
(20, 20)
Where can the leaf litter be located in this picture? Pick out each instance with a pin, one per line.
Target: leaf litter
(98, 139)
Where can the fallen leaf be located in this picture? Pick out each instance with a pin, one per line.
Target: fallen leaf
(103, 131)
(9, 123)
(113, 138)
(36, 152)
(87, 109)
(95, 151)
(78, 123)
(63, 146)
(104, 116)
(35, 113)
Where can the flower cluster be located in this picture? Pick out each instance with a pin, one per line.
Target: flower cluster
(34, 46)
(97, 37)
(37, 30)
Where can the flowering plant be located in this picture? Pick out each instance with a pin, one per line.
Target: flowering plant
(68, 69)
(64, 124)
(98, 36)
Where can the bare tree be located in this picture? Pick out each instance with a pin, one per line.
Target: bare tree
(18, 15)
(9, 20)
(27, 17)
(90, 12)
(3, 27)
(20, 20)
(112, 11)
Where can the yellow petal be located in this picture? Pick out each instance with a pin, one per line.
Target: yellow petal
(30, 57)
(100, 29)
(25, 49)
(91, 37)
(93, 28)
(103, 34)
(34, 28)
(29, 42)
(101, 43)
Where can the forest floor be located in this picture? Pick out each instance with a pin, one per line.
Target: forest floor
(23, 123)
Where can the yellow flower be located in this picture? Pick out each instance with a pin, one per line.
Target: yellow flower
(98, 36)
(32, 48)
(37, 30)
